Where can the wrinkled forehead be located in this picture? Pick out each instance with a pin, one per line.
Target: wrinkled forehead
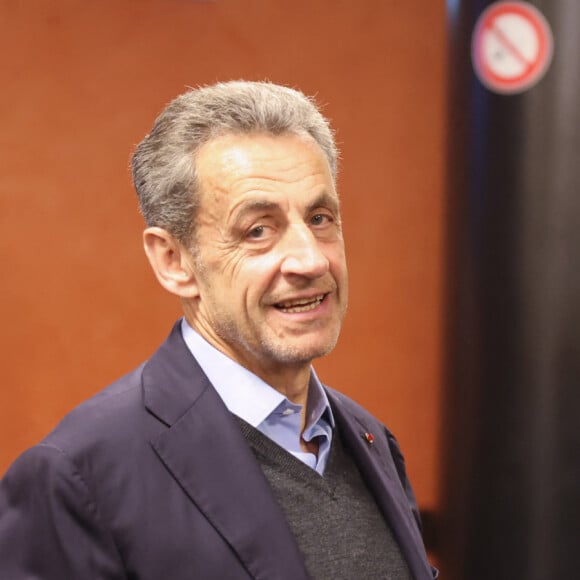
(250, 141)
(231, 160)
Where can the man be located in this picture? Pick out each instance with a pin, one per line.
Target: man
(222, 456)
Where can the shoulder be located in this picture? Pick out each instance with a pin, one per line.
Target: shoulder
(110, 423)
(94, 450)
(67, 489)
(112, 430)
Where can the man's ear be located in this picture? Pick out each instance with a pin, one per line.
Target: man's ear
(172, 263)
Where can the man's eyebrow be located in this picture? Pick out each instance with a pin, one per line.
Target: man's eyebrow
(324, 200)
(253, 206)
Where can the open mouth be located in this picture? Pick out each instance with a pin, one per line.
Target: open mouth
(303, 305)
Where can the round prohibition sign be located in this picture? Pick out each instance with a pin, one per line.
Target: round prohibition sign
(512, 47)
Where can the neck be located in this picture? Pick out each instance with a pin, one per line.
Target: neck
(291, 382)
(290, 379)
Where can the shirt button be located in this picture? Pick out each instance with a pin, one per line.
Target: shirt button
(288, 411)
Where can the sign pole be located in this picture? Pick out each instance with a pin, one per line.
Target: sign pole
(511, 473)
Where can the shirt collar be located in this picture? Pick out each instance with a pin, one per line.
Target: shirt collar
(244, 393)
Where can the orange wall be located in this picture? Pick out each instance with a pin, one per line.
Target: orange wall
(81, 84)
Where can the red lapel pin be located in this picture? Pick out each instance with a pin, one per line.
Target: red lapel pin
(369, 438)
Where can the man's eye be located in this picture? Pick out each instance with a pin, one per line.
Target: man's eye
(320, 219)
(256, 232)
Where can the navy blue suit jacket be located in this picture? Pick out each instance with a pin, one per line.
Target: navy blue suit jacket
(152, 479)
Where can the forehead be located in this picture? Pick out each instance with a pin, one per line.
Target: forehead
(233, 163)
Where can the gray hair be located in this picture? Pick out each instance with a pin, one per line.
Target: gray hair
(164, 162)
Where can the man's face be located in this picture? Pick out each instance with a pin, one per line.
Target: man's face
(269, 259)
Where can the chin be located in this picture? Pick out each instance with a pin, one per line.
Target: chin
(303, 353)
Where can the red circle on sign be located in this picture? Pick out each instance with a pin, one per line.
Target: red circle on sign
(512, 47)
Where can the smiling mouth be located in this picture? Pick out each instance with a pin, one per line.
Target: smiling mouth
(303, 305)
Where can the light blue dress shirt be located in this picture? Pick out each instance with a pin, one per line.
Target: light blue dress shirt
(262, 406)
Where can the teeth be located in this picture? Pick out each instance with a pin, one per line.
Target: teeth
(300, 305)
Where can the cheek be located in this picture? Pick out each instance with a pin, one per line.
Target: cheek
(258, 274)
(225, 271)
(243, 274)
(337, 260)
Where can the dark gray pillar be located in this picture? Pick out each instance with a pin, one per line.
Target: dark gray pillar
(512, 424)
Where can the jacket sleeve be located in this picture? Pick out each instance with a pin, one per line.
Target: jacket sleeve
(50, 528)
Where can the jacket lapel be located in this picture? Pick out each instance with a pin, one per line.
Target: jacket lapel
(206, 452)
(378, 469)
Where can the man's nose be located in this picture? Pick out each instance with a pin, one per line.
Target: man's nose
(302, 253)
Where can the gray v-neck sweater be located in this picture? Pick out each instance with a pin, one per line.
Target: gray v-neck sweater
(334, 518)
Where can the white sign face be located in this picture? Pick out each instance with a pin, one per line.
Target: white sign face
(512, 47)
